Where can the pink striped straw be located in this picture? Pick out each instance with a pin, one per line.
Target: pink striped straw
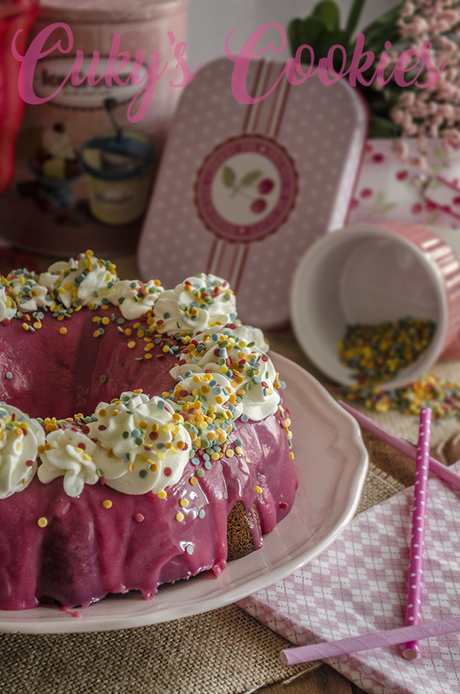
(415, 577)
(405, 447)
(380, 639)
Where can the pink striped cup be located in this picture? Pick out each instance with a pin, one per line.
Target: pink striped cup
(371, 273)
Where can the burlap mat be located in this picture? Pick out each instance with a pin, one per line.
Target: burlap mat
(222, 652)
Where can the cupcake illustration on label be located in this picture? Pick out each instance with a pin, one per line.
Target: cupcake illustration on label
(246, 188)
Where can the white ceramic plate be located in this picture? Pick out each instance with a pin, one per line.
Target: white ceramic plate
(331, 463)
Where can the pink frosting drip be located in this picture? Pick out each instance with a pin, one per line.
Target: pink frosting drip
(87, 551)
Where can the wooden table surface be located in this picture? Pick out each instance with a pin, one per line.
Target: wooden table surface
(323, 679)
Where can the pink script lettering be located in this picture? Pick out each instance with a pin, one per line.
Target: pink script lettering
(109, 73)
(361, 62)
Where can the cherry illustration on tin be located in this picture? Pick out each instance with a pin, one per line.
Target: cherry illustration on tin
(248, 180)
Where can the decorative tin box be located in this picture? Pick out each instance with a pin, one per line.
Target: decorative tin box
(242, 191)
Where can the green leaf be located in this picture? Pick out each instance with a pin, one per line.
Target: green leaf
(379, 198)
(250, 178)
(353, 17)
(312, 29)
(433, 218)
(383, 127)
(440, 154)
(328, 11)
(436, 169)
(228, 177)
(328, 39)
(294, 34)
(385, 208)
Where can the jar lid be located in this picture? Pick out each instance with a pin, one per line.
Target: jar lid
(87, 12)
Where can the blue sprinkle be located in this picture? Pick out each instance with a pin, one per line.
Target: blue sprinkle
(201, 513)
(196, 461)
(189, 549)
(9, 375)
(244, 418)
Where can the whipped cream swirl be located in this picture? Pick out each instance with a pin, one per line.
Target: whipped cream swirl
(134, 298)
(142, 443)
(198, 303)
(7, 305)
(250, 374)
(28, 294)
(82, 282)
(67, 453)
(20, 438)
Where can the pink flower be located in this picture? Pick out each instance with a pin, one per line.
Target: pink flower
(407, 9)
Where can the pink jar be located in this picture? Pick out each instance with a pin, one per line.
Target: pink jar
(15, 15)
(47, 209)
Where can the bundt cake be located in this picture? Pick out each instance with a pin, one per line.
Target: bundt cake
(143, 436)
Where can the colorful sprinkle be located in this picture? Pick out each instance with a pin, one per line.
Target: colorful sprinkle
(378, 353)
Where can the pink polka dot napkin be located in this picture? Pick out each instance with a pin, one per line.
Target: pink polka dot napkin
(358, 586)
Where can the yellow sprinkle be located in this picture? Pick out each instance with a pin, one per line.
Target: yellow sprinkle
(128, 332)
(131, 344)
(229, 453)
(62, 331)
(107, 503)
(105, 320)
(179, 517)
(258, 490)
(184, 503)
(137, 390)
(193, 481)
(238, 450)
(42, 522)
(148, 356)
(162, 495)
(131, 467)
